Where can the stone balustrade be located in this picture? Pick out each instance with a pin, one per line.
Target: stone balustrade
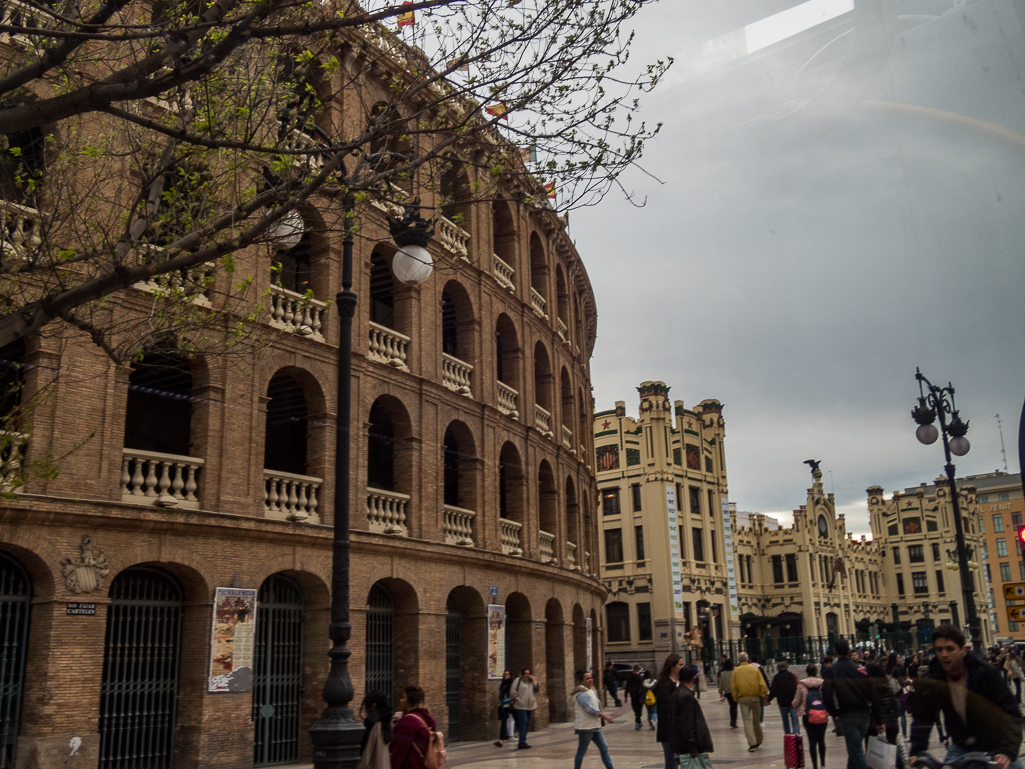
(571, 555)
(458, 526)
(538, 304)
(289, 496)
(21, 228)
(160, 480)
(386, 512)
(510, 536)
(542, 420)
(567, 440)
(388, 346)
(455, 374)
(14, 13)
(504, 274)
(386, 202)
(561, 327)
(12, 452)
(547, 547)
(302, 141)
(194, 282)
(293, 312)
(507, 400)
(452, 237)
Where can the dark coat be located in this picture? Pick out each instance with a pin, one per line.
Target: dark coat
(783, 688)
(994, 719)
(888, 713)
(689, 732)
(663, 694)
(847, 689)
(634, 685)
(408, 735)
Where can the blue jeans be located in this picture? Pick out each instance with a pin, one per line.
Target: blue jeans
(790, 724)
(584, 739)
(955, 752)
(855, 727)
(522, 723)
(671, 760)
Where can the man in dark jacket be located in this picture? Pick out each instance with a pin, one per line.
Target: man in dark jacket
(689, 733)
(850, 696)
(783, 689)
(611, 681)
(635, 691)
(979, 710)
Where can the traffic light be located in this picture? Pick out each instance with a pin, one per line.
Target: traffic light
(1021, 536)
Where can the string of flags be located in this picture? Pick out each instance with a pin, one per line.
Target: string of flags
(498, 110)
(406, 18)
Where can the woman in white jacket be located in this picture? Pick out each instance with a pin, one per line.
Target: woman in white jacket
(588, 720)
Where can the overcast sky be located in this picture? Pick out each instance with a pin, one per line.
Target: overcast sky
(837, 207)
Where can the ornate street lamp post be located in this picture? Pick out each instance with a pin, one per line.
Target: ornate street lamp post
(336, 736)
(936, 402)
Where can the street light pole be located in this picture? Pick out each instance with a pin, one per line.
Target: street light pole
(336, 736)
(936, 402)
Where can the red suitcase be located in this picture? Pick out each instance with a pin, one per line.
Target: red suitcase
(793, 751)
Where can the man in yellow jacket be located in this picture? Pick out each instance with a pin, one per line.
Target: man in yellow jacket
(749, 690)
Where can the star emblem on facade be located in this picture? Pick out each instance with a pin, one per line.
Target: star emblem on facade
(605, 425)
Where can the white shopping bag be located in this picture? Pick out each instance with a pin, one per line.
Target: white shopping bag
(510, 726)
(881, 755)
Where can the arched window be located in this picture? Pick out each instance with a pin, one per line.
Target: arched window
(389, 455)
(459, 479)
(22, 166)
(158, 412)
(382, 298)
(617, 617)
(15, 607)
(562, 300)
(457, 338)
(538, 276)
(285, 437)
(566, 391)
(548, 517)
(381, 449)
(503, 229)
(507, 366)
(542, 390)
(292, 268)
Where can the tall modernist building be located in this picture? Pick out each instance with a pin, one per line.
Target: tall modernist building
(472, 486)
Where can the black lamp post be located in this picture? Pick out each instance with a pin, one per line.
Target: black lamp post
(336, 736)
(936, 402)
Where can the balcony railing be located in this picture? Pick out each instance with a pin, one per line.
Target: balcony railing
(542, 420)
(299, 140)
(294, 312)
(560, 326)
(193, 282)
(452, 237)
(386, 512)
(571, 556)
(547, 547)
(21, 227)
(289, 496)
(455, 374)
(510, 535)
(507, 400)
(17, 14)
(567, 440)
(504, 274)
(537, 302)
(387, 206)
(458, 526)
(12, 452)
(388, 346)
(161, 480)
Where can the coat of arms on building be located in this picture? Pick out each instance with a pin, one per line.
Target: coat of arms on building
(84, 574)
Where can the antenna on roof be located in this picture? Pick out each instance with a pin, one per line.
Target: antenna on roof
(1002, 449)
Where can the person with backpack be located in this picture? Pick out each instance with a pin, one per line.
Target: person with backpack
(588, 720)
(415, 735)
(649, 699)
(524, 703)
(783, 690)
(811, 709)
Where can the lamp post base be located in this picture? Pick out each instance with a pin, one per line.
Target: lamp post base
(336, 743)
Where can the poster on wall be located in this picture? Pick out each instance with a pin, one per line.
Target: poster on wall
(590, 649)
(231, 643)
(674, 549)
(731, 573)
(496, 641)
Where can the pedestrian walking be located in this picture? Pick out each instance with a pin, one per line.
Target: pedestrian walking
(412, 733)
(761, 705)
(725, 677)
(783, 690)
(588, 720)
(524, 702)
(811, 709)
(505, 709)
(635, 691)
(690, 734)
(666, 683)
(376, 713)
(852, 698)
(888, 715)
(749, 690)
(649, 699)
(611, 682)
(1014, 672)
(897, 682)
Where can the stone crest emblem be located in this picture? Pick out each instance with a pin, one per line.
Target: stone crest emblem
(84, 574)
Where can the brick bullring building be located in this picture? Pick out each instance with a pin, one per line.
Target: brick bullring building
(471, 485)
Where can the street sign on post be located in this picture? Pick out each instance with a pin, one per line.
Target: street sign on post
(1016, 613)
(1014, 590)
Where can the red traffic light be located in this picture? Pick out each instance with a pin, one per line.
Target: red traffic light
(1021, 535)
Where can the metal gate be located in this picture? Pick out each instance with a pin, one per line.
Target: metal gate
(278, 672)
(139, 691)
(380, 637)
(15, 592)
(453, 676)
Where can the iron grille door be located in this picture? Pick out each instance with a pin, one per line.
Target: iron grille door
(278, 672)
(380, 638)
(138, 694)
(15, 592)
(453, 676)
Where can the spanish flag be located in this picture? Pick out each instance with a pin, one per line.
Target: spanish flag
(550, 189)
(498, 110)
(406, 18)
(459, 64)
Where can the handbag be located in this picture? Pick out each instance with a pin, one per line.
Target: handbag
(881, 755)
(700, 761)
(375, 754)
(649, 698)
